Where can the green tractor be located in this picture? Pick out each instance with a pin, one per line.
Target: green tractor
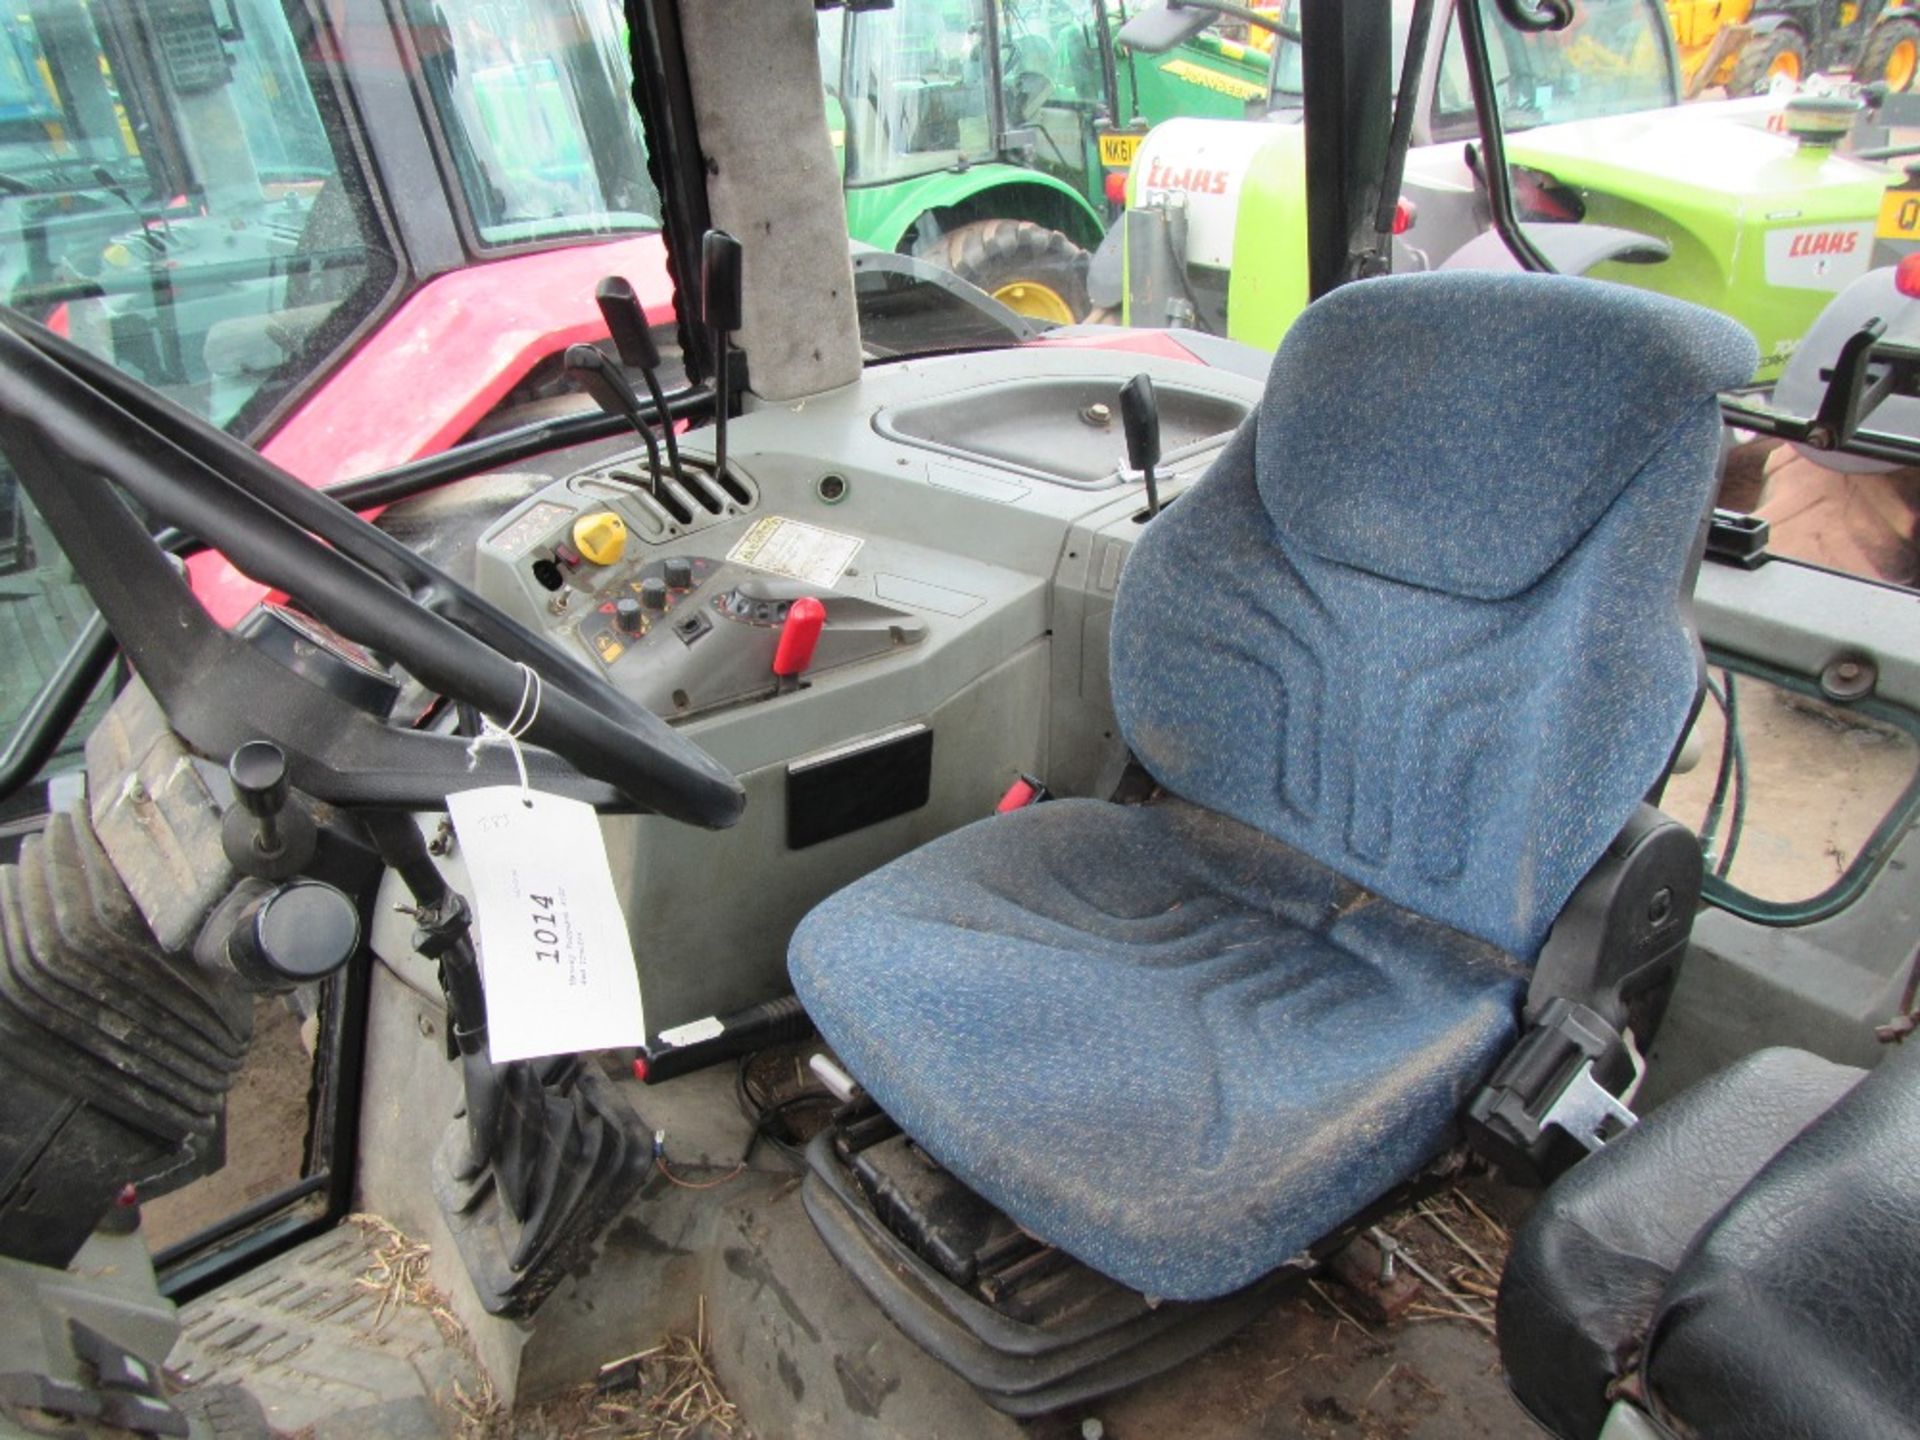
(992, 136)
(1749, 207)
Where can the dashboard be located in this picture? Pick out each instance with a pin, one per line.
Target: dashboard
(960, 523)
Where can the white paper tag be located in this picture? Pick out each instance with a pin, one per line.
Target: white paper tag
(796, 550)
(555, 961)
(693, 1032)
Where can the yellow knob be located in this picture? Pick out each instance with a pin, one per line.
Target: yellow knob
(600, 537)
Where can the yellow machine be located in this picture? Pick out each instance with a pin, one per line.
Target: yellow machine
(1745, 47)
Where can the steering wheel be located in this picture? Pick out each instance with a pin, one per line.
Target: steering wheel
(82, 421)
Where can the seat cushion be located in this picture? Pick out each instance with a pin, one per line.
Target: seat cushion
(1587, 1269)
(1797, 1312)
(1153, 1036)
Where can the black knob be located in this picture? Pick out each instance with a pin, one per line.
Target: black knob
(680, 573)
(300, 933)
(626, 614)
(720, 280)
(1140, 418)
(653, 593)
(627, 323)
(259, 772)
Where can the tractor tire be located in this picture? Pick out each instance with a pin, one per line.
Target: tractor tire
(1892, 53)
(1030, 269)
(1778, 52)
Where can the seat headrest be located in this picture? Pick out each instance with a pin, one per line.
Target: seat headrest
(1355, 468)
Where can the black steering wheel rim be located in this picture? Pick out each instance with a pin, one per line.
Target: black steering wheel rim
(71, 406)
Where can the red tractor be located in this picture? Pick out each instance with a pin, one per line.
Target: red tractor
(215, 199)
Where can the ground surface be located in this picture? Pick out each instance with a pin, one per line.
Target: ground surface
(346, 1338)
(1863, 524)
(266, 1133)
(1313, 1368)
(1819, 779)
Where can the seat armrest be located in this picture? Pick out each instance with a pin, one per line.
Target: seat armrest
(1618, 942)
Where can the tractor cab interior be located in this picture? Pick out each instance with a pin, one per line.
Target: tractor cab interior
(1167, 809)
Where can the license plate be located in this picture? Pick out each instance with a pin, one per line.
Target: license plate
(1899, 215)
(1118, 149)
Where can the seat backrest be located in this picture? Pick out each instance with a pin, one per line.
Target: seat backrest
(1422, 618)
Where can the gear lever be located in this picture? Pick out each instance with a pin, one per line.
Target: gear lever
(1140, 418)
(607, 383)
(720, 308)
(633, 338)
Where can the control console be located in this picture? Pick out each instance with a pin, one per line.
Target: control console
(682, 630)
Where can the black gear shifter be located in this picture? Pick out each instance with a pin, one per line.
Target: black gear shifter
(1140, 418)
(720, 300)
(627, 324)
(605, 381)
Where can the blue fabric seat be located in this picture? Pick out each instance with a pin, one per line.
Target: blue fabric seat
(1403, 664)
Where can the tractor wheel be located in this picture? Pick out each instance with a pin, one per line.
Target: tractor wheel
(1892, 53)
(1766, 58)
(1030, 269)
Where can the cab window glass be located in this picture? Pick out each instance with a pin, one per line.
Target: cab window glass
(178, 195)
(42, 612)
(1287, 80)
(1609, 61)
(1051, 82)
(1792, 794)
(535, 110)
(915, 95)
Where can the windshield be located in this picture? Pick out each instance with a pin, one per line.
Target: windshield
(913, 89)
(174, 195)
(534, 111)
(1610, 61)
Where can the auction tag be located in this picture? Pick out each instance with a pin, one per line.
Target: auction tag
(555, 961)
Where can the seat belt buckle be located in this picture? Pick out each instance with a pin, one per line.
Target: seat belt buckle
(1547, 1106)
(1025, 791)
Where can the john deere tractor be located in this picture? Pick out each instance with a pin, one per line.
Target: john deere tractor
(992, 136)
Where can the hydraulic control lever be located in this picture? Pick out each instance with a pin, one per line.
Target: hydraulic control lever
(605, 381)
(720, 299)
(1140, 418)
(799, 636)
(633, 338)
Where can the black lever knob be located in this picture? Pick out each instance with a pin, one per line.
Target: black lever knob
(720, 280)
(294, 935)
(653, 593)
(627, 323)
(626, 615)
(603, 380)
(258, 770)
(262, 835)
(1140, 418)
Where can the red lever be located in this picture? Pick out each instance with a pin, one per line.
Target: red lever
(798, 637)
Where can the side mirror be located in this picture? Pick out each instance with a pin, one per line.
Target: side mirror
(1160, 26)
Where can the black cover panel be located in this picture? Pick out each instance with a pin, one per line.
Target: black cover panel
(1588, 1267)
(1798, 1314)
